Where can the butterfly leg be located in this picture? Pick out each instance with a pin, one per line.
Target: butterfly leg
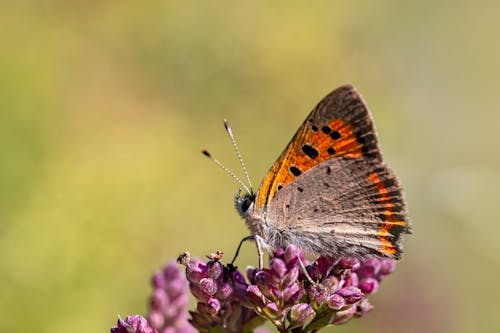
(259, 243)
(304, 270)
(247, 238)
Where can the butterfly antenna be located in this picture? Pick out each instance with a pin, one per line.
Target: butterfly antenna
(223, 167)
(231, 136)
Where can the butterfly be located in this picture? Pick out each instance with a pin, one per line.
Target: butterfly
(330, 193)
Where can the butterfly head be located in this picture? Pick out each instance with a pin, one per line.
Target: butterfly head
(244, 204)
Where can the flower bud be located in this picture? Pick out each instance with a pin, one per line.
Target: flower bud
(335, 301)
(301, 314)
(387, 266)
(158, 280)
(290, 293)
(133, 324)
(318, 294)
(368, 286)
(290, 277)
(370, 268)
(292, 253)
(224, 291)
(278, 267)
(255, 296)
(196, 270)
(214, 269)
(351, 295)
(208, 286)
(272, 311)
(159, 299)
(343, 316)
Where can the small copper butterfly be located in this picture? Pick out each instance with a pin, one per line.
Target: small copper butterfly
(330, 193)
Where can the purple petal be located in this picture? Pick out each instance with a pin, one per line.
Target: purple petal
(156, 319)
(198, 292)
(211, 307)
(351, 281)
(278, 267)
(336, 301)
(159, 299)
(291, 253)
(314, 273)
(158, 280)
(239, 285)
(251, 272)
(171, 271)
(387, 266)
(214, 269)
(169, 300)
(318, 294)
(364, 307)
(331, 283)
(224, 291)
(301, 314)
(351, 264)
(133, 324)
(272, 310)
(369, 268)
(344, 316)
(239, 279)
(179, 305)
(368, 285)
(351, 294)
(255, 295)
(208, 286)
(290, 291)
(274, 292)
(264, 279)
(175, 288)
(196, 270)
(214, 305)
(290, 277)
(279, 253)
(325, 264)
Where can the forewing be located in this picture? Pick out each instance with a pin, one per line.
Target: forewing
(340, 126)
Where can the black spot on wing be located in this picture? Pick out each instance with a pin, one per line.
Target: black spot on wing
(335, 135)
(295, 171)
(310, 151)
(326, 129)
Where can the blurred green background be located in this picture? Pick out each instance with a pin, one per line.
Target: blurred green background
(105, 105)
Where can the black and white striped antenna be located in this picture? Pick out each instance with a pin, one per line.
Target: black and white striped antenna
(229, 131)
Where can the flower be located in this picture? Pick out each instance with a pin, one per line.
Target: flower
(275, 290)
(291, 293)
(334, 292)
(133, 324)
(169, 301)
(221, 294)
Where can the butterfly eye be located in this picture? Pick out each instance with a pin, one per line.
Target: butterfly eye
(246, 204)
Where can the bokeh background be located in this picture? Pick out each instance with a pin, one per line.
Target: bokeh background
(105, 105)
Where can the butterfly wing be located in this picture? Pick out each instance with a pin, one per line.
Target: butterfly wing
(329, 192)
(345, 206)
(339, 126)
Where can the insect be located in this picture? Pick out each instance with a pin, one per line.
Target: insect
(329, 193)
